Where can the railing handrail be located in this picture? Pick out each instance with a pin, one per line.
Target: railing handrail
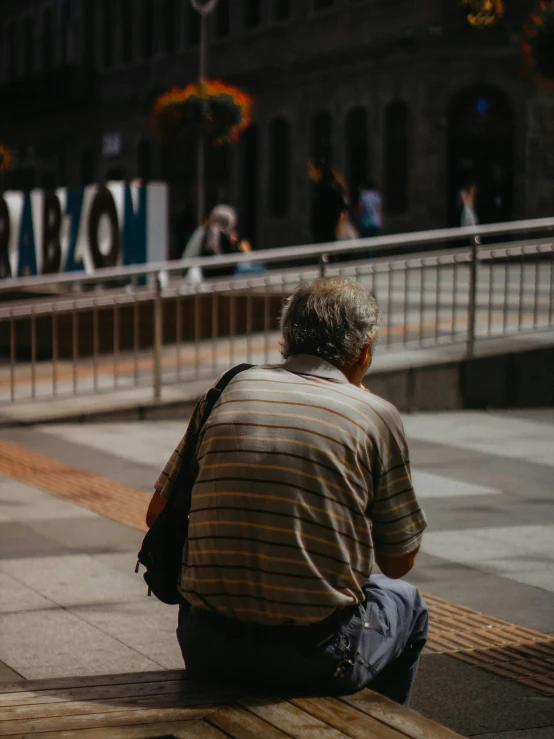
(279, 254)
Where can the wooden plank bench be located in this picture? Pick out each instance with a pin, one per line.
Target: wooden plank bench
(168, 705)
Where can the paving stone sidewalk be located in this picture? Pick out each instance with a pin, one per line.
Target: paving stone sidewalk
(70, 603)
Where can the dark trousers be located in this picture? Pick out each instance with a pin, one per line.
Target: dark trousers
(376, 644)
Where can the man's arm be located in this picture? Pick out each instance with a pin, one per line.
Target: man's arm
(157, 504)
(166, 481)
(397, 519)
(396, 566)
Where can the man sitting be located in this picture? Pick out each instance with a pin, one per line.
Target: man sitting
(303, 484)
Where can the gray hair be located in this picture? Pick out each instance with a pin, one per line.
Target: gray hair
(331, 318)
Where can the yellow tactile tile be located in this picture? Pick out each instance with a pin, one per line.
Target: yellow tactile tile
(114, 500)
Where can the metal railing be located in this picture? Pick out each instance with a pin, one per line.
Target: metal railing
(131, 327)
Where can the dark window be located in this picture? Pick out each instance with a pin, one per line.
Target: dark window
(115, 174)
(357, 150)
(323, 4)
(249, 185)
(47, 49)
(279, 148)
(322, 134)
(396, 157)
(87, 168)
(10, 44)
(169, 25)
(223, 18)
(126, 11)
(252, 14)
(107, 26)
(147, 29)
(281, 10)
(89, 22)
(28, 46)
(193, 26)
(144, 160)
(65, 20)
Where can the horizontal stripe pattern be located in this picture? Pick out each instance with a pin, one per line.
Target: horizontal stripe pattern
(301, 475)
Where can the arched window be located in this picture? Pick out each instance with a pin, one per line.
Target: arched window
(144, 160)
(252, 17)
(481, 149)
(396, 157)
(107, 26)
(89, 26)
(249, 185)
(282, 10)
(169, 25)
(147, 29)
(47, 56)
(87, 168)
(11, 59)
(322, 135)
(192, 26)
(28, 46)
(115, 174)
(126, 25)
(223, 18)
(357, 150)
(279, 167)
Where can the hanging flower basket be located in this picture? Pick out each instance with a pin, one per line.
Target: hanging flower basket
(483, 13)
(222, 112)
(538, 43)
(5, 158)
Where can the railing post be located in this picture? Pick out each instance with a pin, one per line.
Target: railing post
(158, 339)
(472, 299)
(323, 262)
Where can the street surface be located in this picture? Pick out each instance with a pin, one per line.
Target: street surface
(70, 603)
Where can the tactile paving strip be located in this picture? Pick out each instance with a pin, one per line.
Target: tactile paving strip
(122, 503)
(513, 652)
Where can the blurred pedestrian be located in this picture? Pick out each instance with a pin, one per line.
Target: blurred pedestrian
(328, 202)
(370, 210)
(467, 200)
(217, 237)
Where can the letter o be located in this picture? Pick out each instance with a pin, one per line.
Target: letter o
(103, 205)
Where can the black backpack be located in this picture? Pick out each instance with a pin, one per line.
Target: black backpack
(162, 547)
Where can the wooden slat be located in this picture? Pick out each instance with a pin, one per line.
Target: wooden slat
(413, 724)
(92, 681)
(81, 708)
(241, 724)
(202, 730)
(290, 719)
(347, 719)
(178, 729)
(138, 717)
(188, 689)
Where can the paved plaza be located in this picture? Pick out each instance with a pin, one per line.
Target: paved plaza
(70, 512)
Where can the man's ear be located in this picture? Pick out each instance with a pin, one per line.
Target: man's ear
(364, 355)
(366, 351)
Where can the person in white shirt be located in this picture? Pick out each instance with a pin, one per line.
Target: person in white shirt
(370, 210)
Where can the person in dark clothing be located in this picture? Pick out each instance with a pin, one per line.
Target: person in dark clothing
(327, 204)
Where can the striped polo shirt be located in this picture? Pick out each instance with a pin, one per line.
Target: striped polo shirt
(302, 477)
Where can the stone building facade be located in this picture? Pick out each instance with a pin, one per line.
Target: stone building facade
(405, 92)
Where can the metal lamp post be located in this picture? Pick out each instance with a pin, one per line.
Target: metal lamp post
(205, 8)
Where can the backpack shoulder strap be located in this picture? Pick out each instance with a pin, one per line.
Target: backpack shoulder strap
(179, 489)
(215, 392)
